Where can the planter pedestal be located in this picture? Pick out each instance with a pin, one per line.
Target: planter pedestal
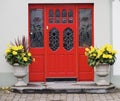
(102, 70)
(20, 72)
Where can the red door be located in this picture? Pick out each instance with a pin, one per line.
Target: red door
(61, 41)
(85, 39)
(58, 37)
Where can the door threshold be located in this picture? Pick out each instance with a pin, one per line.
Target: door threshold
(60, 79)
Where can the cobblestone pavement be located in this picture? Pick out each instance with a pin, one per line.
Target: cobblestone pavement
(59, 97)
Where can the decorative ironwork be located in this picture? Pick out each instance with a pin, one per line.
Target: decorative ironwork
(68, 39)
(85, 31)
(54, 39)
(36, 35)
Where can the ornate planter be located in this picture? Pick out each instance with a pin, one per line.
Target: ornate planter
(20, 72)
(102, 70)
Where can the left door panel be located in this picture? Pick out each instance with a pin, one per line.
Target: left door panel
(36, 42)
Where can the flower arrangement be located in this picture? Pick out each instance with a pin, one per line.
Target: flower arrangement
(105, 54)
(19, 53)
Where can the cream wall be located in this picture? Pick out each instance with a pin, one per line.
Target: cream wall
(14, 22)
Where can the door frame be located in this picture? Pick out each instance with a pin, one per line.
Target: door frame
(44, 49)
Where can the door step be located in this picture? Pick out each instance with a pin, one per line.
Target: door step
(64, 87)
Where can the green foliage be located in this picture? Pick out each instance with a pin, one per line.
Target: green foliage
(104, 54)
(18, 53)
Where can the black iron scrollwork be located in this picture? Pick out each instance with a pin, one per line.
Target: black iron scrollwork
(68, 39)
(54, 39)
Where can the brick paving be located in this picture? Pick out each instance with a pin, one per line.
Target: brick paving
(115, 96)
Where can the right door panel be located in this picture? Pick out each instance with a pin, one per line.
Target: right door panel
(85, 39)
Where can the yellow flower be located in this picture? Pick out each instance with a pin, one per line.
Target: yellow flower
(94, 54)
(87, 49)
(114, 51)
(23, 54)
(14, 53)
(20, 47)
(7, 50)
(25, 59)
(110, 57)
(99, 53)
(29, 54)
(104, 56)
(15, 48)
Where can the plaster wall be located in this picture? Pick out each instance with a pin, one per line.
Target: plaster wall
(14, 23)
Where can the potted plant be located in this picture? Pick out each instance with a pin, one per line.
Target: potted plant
(18, 55)
(101, 58)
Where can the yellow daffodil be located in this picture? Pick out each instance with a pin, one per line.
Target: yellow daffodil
(25, 59)
(14, 53)
(29, 54)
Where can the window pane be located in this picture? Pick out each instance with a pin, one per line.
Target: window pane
(36, 28)
(51, 16)
(57, 16)
(85, 27)
(64, 16)
(70, 16)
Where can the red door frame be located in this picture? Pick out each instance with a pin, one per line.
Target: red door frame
(42, 51)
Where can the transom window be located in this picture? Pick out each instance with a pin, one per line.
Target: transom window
(60, 16)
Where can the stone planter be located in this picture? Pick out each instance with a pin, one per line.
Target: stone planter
(102, 70)
(20, 72)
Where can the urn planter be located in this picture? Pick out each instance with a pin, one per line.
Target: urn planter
(20, 72)
(102, 71)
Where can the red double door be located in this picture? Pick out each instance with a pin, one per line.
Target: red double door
(59, 35)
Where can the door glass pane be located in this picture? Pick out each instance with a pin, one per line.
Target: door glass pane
(68, 39)
(36, 28)
(54, 39)
(70, 16)
(51, 16)
(64, 16)
(85, 27)
(57, 16)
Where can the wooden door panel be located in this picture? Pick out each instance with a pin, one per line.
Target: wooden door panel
(85, 39)
(61, 61)
(37, 69)
(36, 43)
(86, 73)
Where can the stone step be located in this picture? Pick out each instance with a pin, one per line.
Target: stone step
(64, 87)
